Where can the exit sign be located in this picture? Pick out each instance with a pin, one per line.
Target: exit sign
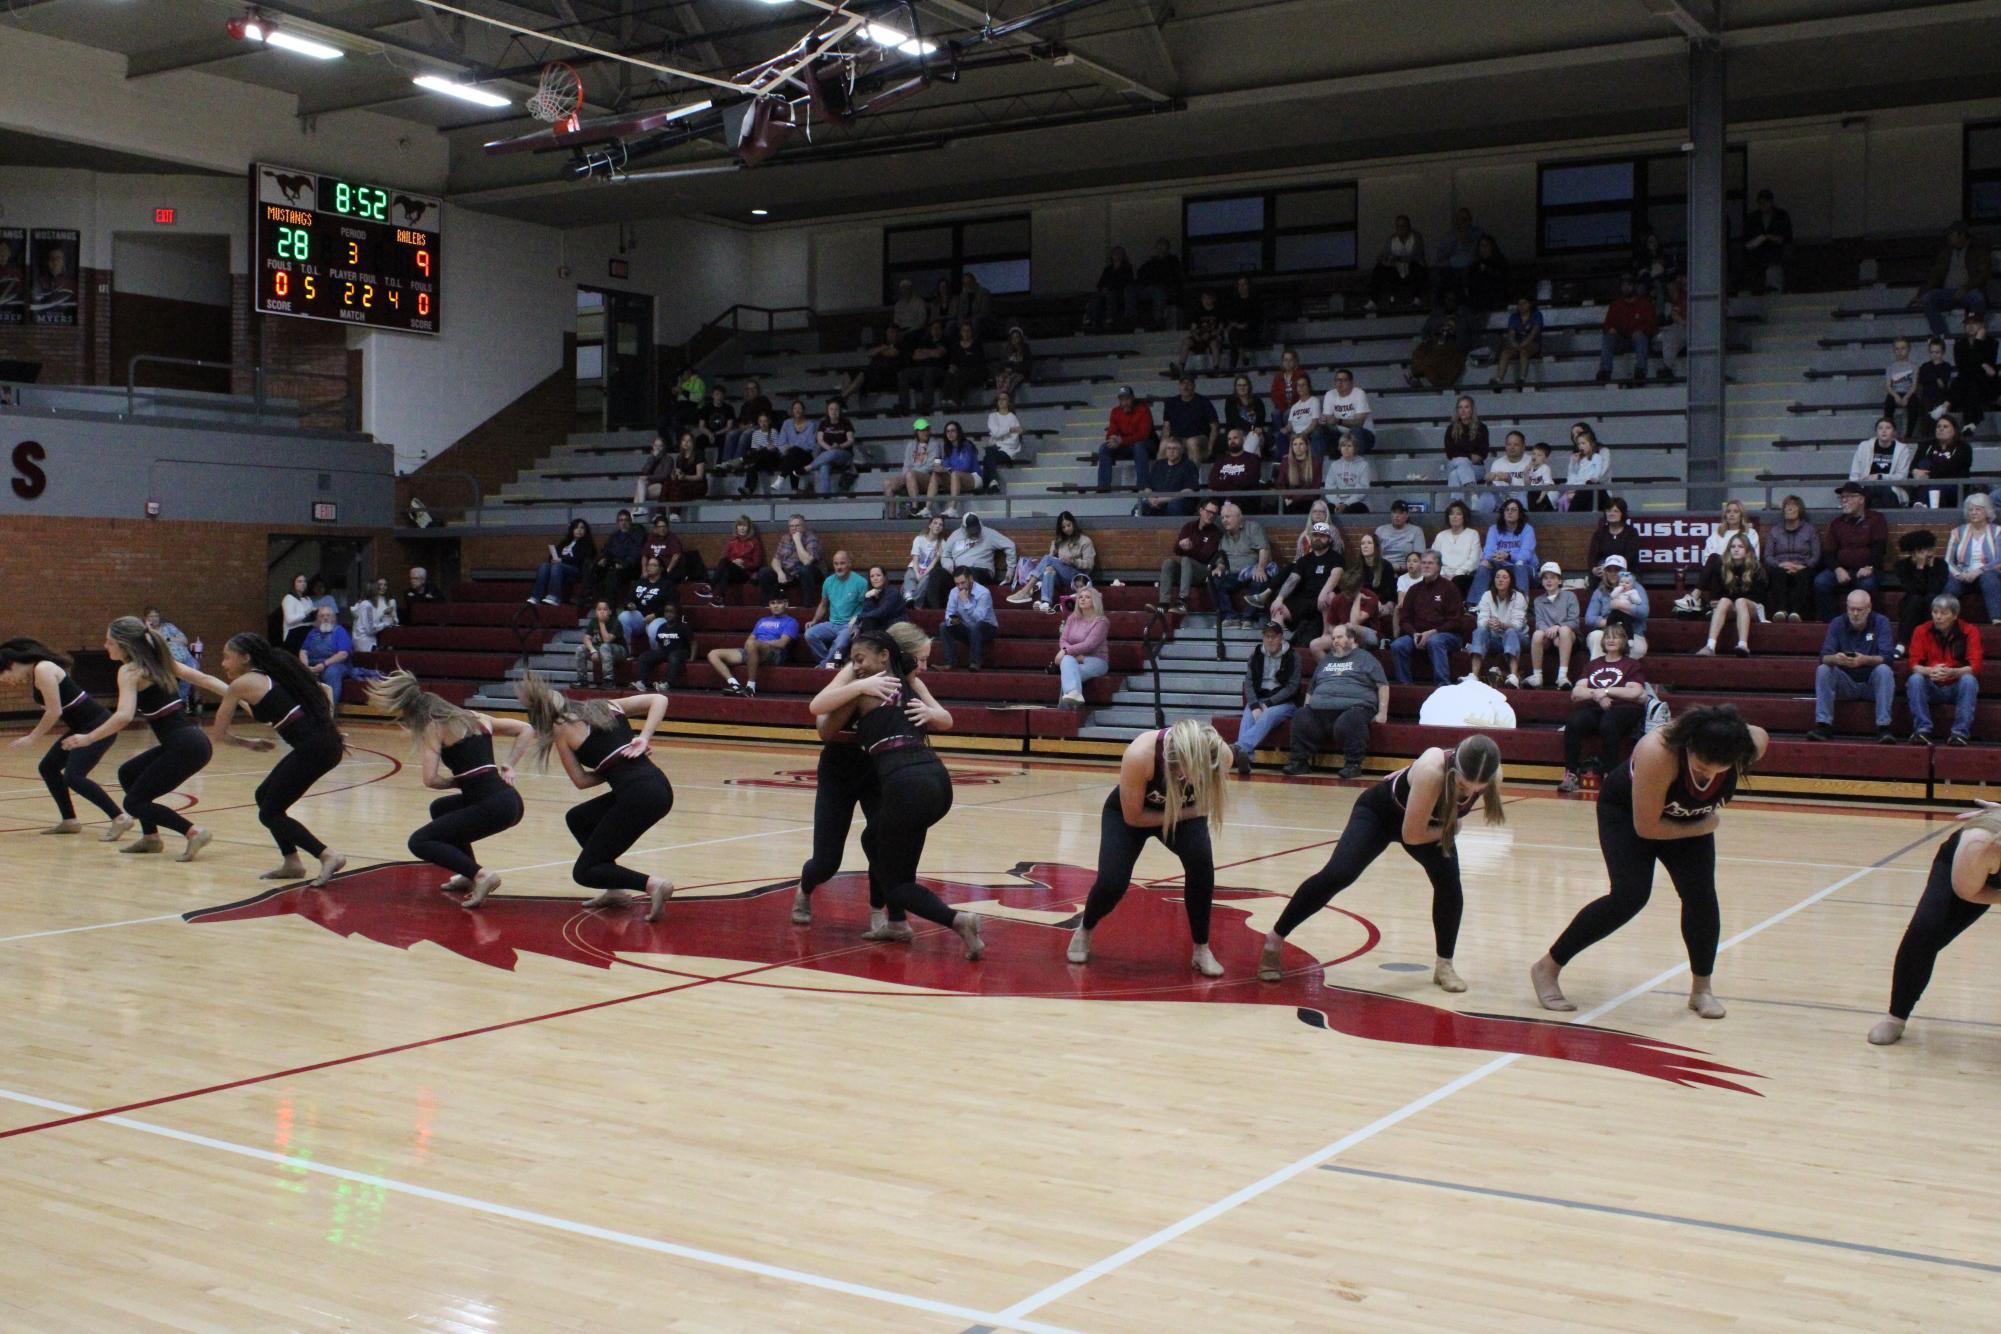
(620, 269)
(325, 511)
(163, 217)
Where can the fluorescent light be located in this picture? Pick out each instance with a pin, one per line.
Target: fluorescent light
(303, 46)
(760, 212)
(253, 29)
(465, 92)
(693, 108)
(884, 35)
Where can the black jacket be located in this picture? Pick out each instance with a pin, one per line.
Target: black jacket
(1287, 689)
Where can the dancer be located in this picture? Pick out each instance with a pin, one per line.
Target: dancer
(279, 692)
(31, 662)
(593, 738)
(1193, 762)
(846, 779)
(149, 687)
(893, 712)
(1419, 807)
(1965, 882)
(457, 747)
(1663, 805)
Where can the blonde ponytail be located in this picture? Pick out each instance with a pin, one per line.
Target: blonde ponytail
(1476, 760)
(1195, 757)
(147, 649)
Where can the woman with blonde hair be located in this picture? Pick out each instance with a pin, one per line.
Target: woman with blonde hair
(1191, 761)
(1420, 808)
(1965, 882)
(1081, 653)
(1736, 583)
(1733, 523)
(456, 750)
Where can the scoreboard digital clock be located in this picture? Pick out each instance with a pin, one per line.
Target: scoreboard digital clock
(334, 249)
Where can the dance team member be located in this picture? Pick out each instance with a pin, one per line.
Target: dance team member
(30, 662)
(1965, 882)
(845, 779)
(280, 693)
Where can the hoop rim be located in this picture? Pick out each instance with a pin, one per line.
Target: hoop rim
(558, 95)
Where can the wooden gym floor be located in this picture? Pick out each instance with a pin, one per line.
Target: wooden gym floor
(364, 1108)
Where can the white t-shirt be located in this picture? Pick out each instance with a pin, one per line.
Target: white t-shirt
(1508, 471)
(1720, 539)
(1351, 409)
(1004, 432)
(1301, 416)
(1458, 553)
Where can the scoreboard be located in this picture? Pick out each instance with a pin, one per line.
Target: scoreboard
(329, 248)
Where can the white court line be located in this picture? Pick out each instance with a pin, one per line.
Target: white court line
(98, 926)
(538, 1219)
(1327, 1153)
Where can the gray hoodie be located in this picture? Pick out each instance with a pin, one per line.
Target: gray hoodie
(976, 545)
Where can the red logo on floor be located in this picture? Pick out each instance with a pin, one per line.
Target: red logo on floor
(1141, 954)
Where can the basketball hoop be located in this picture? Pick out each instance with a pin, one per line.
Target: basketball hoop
(557, 97)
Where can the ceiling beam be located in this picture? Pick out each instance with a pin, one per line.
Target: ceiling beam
(1697, 19)
(1104, 73)
(186, 55)
(1153, 21)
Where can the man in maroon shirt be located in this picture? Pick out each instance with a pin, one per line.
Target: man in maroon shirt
(1192, 554)
(1852, 556)
(1630, 322)
(1433, 617)
(1129, 434)
(1236, 470)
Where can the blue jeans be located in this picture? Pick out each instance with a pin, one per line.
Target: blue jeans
(553, 579)
(977, 638)
(1050, 571)
(1937, 303)
(1829, 593)
(825, 464)
(334, 678)
(1251, 731)
(1466, 473)
(827, 639)
(1076, 671)
(1441, 646)
(1483, 579)
(1833, 683)
(1989, 584)
(1508, 642)
(1223, 587)
(1111, 303)
(1109, 454)
(636, 625)
(1924, 692)
(1612, 344)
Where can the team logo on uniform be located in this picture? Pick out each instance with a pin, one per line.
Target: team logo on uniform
(810, 779)
(1138, 955)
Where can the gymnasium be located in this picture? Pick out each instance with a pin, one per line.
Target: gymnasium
(820, 665)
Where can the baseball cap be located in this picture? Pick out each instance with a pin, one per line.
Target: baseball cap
(1551, 567)
(1398, 507)
(1613, 562)
(1849, 489)
(921, 424)
(1322, 530)
(1272, 628)
(1125, 391)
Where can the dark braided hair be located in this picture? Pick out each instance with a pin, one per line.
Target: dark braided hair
(287, 672)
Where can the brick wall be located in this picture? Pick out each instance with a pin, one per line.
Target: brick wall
(77, 354)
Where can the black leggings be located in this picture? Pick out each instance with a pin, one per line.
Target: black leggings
(150, 775)
(1610, 726)
(67, 771)
(846, 779)
(1373, 825)
(606, 827)
(1119, 846)
(461, 819)
(916, 794)
(1629, 862)
(287, 782)
(1940, 917)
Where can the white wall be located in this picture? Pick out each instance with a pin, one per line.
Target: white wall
(693, 269)
(186, 266)
(102, 205)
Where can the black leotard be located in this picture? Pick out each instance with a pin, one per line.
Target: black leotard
(80, 713)
(599, 753)
(1686, 800)
(163, 710)
(470, 759)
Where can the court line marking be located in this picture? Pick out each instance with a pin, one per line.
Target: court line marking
(95, 926)
(1845, 1009)
(1325, 1154)
(536, 1218)
(1709, 1224)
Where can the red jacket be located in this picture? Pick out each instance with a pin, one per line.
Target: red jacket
(1927, 651)
(1281, 393)
(1130, 426)
(747, 552)
(1631, 315)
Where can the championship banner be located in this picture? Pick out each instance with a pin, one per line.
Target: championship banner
(56, 293)
(13, 275)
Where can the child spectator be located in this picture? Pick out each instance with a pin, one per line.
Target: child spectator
(603, 647)
(1900, 390)
(1541, 480)
(1590, 467)
(669, 644)
(770, 640)
(1556, 624)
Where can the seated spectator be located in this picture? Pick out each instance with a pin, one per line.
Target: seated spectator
(1345, 409)
(1458, 545)
(1157, 285)
(643, 604)
(1431, 617)
(1243, 559)
(910, 312)
(1347, 692)
(1630, 322)
(179, 649)
(1368, 586)
(1234, 471)
(755, 407)
(836, 454)
(1194, 550)
(1976, 379)
(882, 606)
(1556, 624)
(370, 617)
(1541, 481)
(1973, 556)
(798, 444)
(1243, 322)
(1500, 620)
(1508, 471)
(1003, 442)
(1129, 434)
(1900, 391)
(923, 465)
(1792, 557)
(962, 465)
(769, 641)
(969, 620)
(661, 545)
(1606, 703)
(1851, 553)
(617, 564)
(1271, 694)
(1614, 537)
(1881, 456)
(328, 652)
(1734, 523)
(654, 473)
(1734, 586)
(1114, 300)
(742, 557)
(796, 561)
(668, 646)
(1071, 553)
(760, 454)
(1171, 482)
(1283, 384)
(604, 646)
(1945, 667)
(1958, 278)
(1855, 664)
(1484, 291)
(1317, 512)
(942, 299)
(972, 305)
(1407, 578)
(1437, 359)
(1294, 601)
(923, 367)
(1618, 600)
(1245, 411)
(1347, 476)
(1303, 417)
(1400, 537)
(1654, 265)
(419, 589)
(925, 549)
(832, 624)
(1510, 545)
(1203, 339)
(883, 363)
(716, 419)
(565, 566)
(1080, 649)
(1190, 418)
(985, 552)
(1946, 455)
(1466, 446)
(1016, 366)
(1935, 376)
(688, 474)
(1400, 276)
(1453, 258)
(965, 365)
(1521, 343)
(1590, 469)
(1671, 340)
(1921, 576)
(322, 595)
(1767, 247)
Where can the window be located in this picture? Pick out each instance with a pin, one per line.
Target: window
(994, 250)
(1983, 172)
(1585, 206)
(1272, 231)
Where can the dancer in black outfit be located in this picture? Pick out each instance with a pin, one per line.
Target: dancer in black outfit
(1420, 808)
(893, 713)
(1193, 762)
(1965, 882)
(845, 779)
(280, 693)
(1663, 805)
(149, 687)
(594, 740)
(29, 662)
(457, 747)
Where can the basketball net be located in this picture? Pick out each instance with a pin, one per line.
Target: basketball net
(557, 97)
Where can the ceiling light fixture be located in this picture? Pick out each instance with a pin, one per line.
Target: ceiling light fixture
(465, 92)
(760, 212)
(884, 35)
(301, 46)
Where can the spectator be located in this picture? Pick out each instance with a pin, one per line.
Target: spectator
(1243, 322)
(1368, 585)
(1245, 411)
(1295, 600)
(973, 305)
(910, 312)
(1792, 556)
(1170, 485)
(833, 622)
(1345, 409)
(1003, 441)
(1466, 446)
(1880, 456)
(1437, 359)
(296, 612)
(1734, 584)
(1431, 617)
(1317, 512)
(322, 596)
(1541, 488)
(1934, 397)
(1672, 338)
(965, 365)
(962, 465)
(603, 648)
(1157, 284)
(650, 593)
(1590, 469)
(1973, 556)
(618, 563)
(1945, 666)
(1629, 325)
(1114, 300)
(1283, 383)
(1500, 619)
(1233, 471)
(1271, 694)
(1303, 417)
(177, 645)
(942, 298)
(1190, 418)
(743, 556)
(1654, 265)
(1510, 546)
(977, 548)
(717, 419)
(1556, 623)
(1129, 434)
(1485, 291)
(1016, 366)
(1521, 343)
(668, 647)
(1508, 474)
(371, 616)
(755, 410)
(661, 545)
(1347, 692)
(1203, 339)
(759, 453)
(328, 652)
(1458, 546)
(1243, 557)
(1614, 537)
(1944, 456)
(1454, 258)
(1958, 278)
(836, 454)
(1900, 390)
(565, 566)
(1400, 276)
(420, 589)
(1080, 649)
(770, 640)
(798, 445)
(1194, 550)
(1768, 245)
(923, 367)
(1399, 537)
(1606, 703)
(925, 548)
(1618, 600)
(883, 362)
(1852, 551)
(882, 606)
(688, 474)
(654, 473)
(923, 465)
(1976, 380)
(797, 561)
(1071, 553)
(1855, 664)
(1921, 576)
(969, 620)
(1411, 575)
(1348, 476)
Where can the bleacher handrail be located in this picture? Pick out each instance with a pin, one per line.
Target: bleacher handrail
(350, 394)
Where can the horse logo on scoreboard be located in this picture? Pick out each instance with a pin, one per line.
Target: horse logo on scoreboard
(297, 190)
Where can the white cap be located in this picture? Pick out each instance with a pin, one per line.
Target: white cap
(1615, 563)
(1550, 567)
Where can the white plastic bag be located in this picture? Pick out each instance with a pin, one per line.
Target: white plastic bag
(1467, 704)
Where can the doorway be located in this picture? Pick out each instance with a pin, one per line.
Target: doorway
(170, 297)
(341, 564)
(615, 370)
